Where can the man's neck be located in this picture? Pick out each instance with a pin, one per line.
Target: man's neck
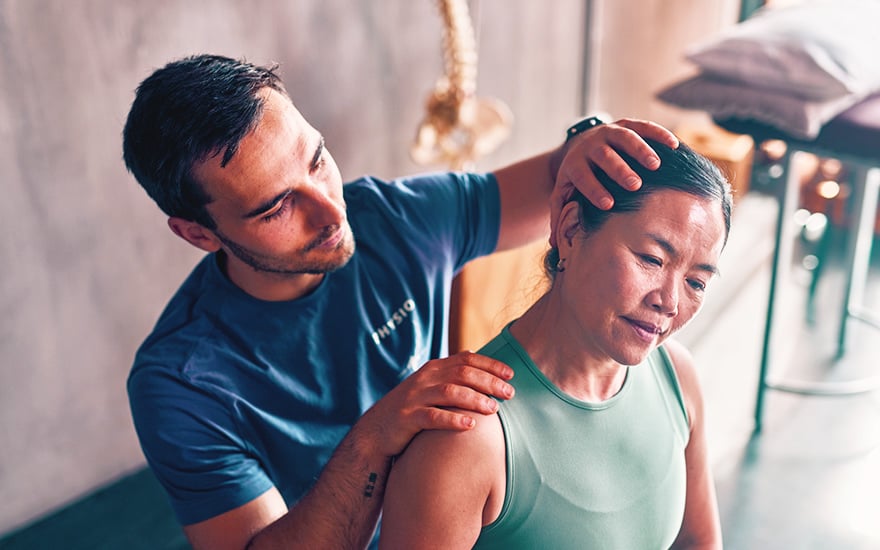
(267, 286)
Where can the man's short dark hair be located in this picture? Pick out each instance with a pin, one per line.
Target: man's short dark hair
(186, 112)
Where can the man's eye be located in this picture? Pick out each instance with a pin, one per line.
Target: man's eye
(285, 204)
(651, 260)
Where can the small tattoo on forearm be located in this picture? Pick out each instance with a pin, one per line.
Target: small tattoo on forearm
(371, 485)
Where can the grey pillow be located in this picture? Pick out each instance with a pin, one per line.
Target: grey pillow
(797, 116)
(818, 49)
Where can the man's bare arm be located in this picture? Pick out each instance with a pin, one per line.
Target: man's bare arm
(342, 508)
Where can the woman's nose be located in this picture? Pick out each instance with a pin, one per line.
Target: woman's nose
(664, 298)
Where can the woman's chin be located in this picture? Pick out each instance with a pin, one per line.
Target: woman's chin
(632, 357)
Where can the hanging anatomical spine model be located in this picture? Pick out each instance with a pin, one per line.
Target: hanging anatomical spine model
(459, 127)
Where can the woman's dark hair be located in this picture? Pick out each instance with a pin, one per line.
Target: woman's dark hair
(681, 169)
(185, 112)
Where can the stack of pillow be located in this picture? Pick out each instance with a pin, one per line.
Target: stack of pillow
(793, 68)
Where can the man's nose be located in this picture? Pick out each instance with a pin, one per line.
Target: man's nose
(323, 210)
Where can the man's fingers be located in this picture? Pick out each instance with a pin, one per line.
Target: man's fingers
(466, 381)
(485, 363)
(601, 148)
(651, 130)
(443, 419)
(581, 175)
(482, 374)
(444, 394)
(610, 162)
(462, 397)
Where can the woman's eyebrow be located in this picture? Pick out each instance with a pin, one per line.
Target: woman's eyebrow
(672, 251)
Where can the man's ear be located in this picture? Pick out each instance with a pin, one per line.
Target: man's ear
(195, 234)
(567, 226)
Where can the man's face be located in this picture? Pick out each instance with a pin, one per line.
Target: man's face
(278, 203)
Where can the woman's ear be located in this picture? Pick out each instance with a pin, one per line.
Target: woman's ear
(195, 234)
(567, 226)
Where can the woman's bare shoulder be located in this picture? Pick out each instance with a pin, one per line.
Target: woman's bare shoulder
(686, 371)
(444, 487)
(448, 447)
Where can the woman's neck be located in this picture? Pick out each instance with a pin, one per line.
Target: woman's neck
(566, 355)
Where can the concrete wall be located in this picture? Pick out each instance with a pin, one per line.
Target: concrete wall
(636, 49)
(88, 262)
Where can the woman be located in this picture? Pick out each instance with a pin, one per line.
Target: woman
(603, 445)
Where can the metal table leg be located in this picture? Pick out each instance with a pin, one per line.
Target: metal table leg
(788, 202)
(864, 200)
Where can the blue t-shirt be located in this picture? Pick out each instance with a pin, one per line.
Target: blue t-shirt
(232, 395)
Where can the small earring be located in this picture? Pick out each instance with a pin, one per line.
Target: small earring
(560, 265)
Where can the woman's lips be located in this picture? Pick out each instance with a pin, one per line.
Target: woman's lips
(646, 331)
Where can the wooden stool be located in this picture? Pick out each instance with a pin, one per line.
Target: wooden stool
(852, 137)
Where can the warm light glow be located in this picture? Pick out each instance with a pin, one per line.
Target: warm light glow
(774, 148)
(828, 189)
(801, 216)
(830, 168)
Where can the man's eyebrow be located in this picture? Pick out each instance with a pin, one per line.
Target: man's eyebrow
(268, 205)
(318, 152)
(667, 246)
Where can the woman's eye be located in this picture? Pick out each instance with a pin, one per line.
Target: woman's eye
(697, 285)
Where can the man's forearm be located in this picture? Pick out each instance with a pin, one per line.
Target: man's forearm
(342, 508)
(525, 189)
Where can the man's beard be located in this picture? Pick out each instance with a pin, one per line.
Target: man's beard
(268, 264)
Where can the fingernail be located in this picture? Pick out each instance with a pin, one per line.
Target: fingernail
(605, 203)
(633, 183)
(654, 163)
(508, 392)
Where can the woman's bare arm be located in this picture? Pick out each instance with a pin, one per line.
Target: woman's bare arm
(701, 528)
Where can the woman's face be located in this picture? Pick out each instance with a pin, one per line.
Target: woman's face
(640, 277)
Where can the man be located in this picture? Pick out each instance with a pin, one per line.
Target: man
(286, 372)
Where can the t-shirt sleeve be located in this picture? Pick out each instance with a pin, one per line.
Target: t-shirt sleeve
(191, 444)
(454, 215)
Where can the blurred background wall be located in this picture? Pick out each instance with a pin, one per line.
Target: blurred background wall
(88, 261)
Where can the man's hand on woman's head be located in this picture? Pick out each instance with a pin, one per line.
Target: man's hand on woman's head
(599, 147)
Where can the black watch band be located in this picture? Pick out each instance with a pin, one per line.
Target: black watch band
(582, 126)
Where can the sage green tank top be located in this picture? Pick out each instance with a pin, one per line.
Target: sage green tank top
(580, 475)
